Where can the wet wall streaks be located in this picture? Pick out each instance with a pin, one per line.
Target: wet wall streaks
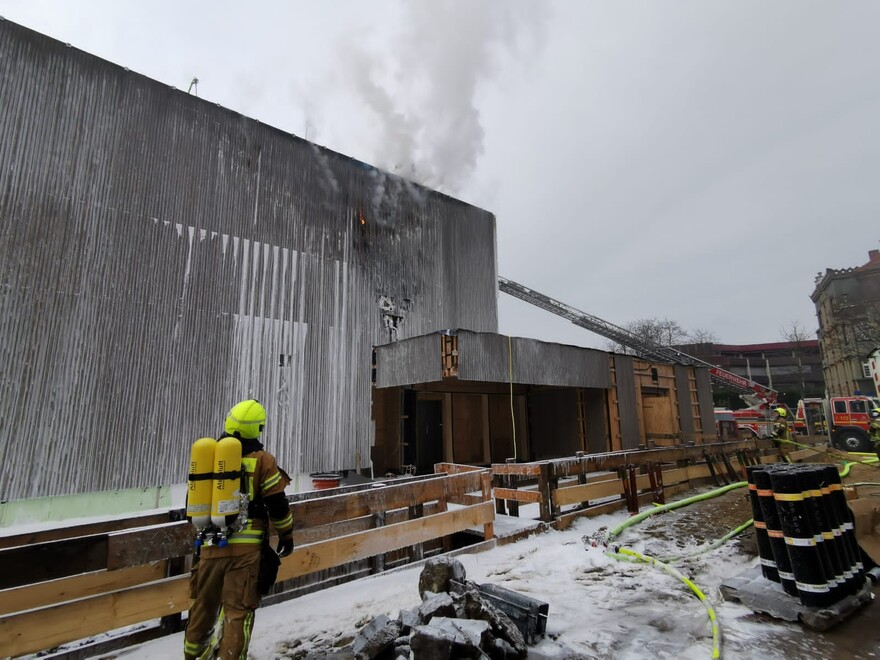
(162, 257)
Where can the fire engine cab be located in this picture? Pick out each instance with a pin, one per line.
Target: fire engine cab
(848, 421)
(844, 419)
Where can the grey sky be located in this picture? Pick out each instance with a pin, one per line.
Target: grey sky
(694, 160)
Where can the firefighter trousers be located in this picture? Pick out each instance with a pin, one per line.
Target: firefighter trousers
(222, 584)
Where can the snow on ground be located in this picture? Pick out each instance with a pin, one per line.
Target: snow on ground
(599, 607)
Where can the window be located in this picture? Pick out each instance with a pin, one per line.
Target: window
(858, 406)
(840, 407)
(866, 370)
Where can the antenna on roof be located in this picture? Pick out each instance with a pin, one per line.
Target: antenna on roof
(194, 83)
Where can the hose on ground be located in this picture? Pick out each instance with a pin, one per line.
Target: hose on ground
(621, 552)
(626, 553)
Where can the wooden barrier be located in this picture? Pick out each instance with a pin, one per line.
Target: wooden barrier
(98, 577)
(121, 577)
(587, 480)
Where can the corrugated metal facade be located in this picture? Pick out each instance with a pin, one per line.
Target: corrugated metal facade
(707, 405)
(685, 407)
(490, 358)
(409, 361)
(627, 402)
(162, 257)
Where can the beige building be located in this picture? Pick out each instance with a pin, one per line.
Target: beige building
(848, 309)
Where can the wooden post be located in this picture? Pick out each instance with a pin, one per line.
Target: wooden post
(417, 551)
(486, 482)
(377, 563)
(512, 505)
(546, 495)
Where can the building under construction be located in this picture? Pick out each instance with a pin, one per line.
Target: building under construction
(162, 257)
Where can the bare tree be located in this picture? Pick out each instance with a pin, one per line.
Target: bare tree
(796, 333)
(664, 332)
(702, 336)
(867, 326)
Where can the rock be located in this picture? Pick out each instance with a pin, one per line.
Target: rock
(410, 618)
(499, 649)
(464, 632)
(429, 643)
(375, 637)
(437, 572)
(436, 605)
(475, 607)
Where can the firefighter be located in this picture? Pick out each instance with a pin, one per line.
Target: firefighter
(874, 428)
(224, 580)
(781, 427)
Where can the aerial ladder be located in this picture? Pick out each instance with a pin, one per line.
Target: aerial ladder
(751, 392)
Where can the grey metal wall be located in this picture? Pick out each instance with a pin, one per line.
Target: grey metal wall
(490, 358)
(707, 404)
(162, 257)
(685, 409)
(627, 399)
(409, 361)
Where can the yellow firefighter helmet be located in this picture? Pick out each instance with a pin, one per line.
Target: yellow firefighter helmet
(246, 419)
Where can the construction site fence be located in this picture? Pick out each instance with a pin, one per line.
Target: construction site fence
(591, 484)
(72, 583)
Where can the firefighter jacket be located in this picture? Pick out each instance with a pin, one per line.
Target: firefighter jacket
(874, 428)
(782, 430)
(265, 483)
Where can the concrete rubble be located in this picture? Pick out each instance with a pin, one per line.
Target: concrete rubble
(454, 620)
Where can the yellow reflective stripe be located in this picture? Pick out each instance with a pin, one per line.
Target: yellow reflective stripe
(250, 466)
(274, 480)
(247, 628)
(284, 524)
(788, 497)
(192, 648)
(245, 537)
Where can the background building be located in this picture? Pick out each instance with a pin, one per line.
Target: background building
(792, 368)
(848, 308)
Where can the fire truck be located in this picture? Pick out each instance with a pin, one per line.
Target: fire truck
(845, 419)
(758, 421)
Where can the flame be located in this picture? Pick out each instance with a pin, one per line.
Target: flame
(361, 217)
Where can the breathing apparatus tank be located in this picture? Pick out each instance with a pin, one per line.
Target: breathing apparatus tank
(200, 482)
(226, 491)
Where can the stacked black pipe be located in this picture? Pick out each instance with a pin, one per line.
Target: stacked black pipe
(765, 552)
(804, 530)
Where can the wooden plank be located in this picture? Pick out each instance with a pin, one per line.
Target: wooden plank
(520, 469)
(595, 490)
(675, 475)
(334, 530)
(53, 592)
(45, 628)
(52, 560)
(146, 544)
(319, 556)
(87, 529)
(528, 496)
(698, 471)
(564, 520)
(455, 468)
(353, 505)
(591, 491)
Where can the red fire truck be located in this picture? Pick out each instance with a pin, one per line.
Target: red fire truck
(848, 420)
(758, 421)
(844, 419)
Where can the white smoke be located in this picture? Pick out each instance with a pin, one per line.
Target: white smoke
(422, 88)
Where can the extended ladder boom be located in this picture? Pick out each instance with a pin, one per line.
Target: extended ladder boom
(644, 348)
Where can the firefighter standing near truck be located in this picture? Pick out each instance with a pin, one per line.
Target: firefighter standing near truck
(874, 429)
(224, 580)
(781, 427)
